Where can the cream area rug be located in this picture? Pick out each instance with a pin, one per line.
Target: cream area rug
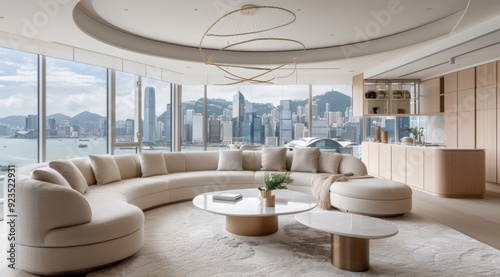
(182, 240)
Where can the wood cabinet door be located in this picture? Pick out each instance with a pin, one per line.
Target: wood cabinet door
(415, 167)
(398, 163)
(385, 160)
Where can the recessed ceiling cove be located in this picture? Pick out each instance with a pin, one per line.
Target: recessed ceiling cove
(329, 29)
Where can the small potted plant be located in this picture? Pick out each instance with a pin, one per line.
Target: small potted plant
(273, 181)
(416, 132)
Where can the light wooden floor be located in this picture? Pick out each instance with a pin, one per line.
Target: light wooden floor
(477, 218)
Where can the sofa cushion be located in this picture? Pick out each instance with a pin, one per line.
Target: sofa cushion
(71, 173)
(152, 164)
(329, 163)
(105, 169)
(112, 218)
(305, 159)
(230, 160)
(49, 175)
(274, 158)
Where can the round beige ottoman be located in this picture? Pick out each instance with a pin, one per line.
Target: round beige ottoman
(371, 196)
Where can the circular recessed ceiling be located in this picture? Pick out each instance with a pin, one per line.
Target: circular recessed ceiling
(173, 29)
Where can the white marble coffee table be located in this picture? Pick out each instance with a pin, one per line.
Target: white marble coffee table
(248, 217)
(351, 235)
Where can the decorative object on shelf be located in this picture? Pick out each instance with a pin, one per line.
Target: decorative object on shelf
(272, 181)
(371, 94)
(381, 94)
(397, 94)
(401, 111)
(385, 136)
(251, 32)
(416, 132)
(407, 140)
(375, 110)
(377, 134)
(406, 94)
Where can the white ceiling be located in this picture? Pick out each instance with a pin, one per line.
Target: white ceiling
(413, 39)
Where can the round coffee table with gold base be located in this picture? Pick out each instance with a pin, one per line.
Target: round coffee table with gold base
(248, 216)
(351, 234)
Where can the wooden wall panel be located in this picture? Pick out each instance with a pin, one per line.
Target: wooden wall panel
(466, 100)
(357, 95)
(466, 79)
(486, 97)
(486, 134)
(486, 74)
(466, 126)
(429, 102)
(450, 82)
(451, 130)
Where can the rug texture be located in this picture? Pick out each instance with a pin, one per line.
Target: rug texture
(182, 240)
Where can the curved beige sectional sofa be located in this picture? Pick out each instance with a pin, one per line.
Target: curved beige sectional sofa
(62, 229)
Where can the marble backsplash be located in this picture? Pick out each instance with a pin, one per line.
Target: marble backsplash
(434, 129)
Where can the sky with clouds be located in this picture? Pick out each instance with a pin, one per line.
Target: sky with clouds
(73, 88)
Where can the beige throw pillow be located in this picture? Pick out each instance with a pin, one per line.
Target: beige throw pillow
(329, 162)
(152, 164)
(230, 160)
(274, 159)
(49, 175)
(105, 169)
(71, 173)
(305, 159)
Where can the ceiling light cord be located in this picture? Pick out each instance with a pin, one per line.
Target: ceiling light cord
(460, 20)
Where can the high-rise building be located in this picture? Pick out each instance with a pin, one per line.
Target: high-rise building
(32, 122)
(149, 126)
(238, 113)
(197, 128)
(188, 126)
(285, 135)
(214, 131)
(129, 127)
(227, 132)
(314, 109)
(168, 122)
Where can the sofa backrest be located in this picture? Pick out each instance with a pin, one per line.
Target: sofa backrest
(129, 165)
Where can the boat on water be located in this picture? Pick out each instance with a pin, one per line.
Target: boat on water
(82, 145)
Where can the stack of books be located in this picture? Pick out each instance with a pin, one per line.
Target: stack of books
(227, 196)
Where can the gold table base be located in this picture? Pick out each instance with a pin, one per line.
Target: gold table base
(252, 226)
(352, 254)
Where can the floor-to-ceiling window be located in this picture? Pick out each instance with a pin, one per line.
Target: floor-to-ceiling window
(332, 119)
(270, 115)
(18, 108)
(157, 112)
(76, 109)
(192, 116)
(127, 117)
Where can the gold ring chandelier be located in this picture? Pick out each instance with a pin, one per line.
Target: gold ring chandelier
(238, 73)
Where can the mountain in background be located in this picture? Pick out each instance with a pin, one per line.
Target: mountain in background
(338, 102)
(87, 117)
(14, 120)
(58, 117)
(215, 106)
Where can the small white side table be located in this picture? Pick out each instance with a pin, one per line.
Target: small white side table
(351, 234)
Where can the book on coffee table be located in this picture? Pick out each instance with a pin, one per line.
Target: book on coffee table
(227, 196)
